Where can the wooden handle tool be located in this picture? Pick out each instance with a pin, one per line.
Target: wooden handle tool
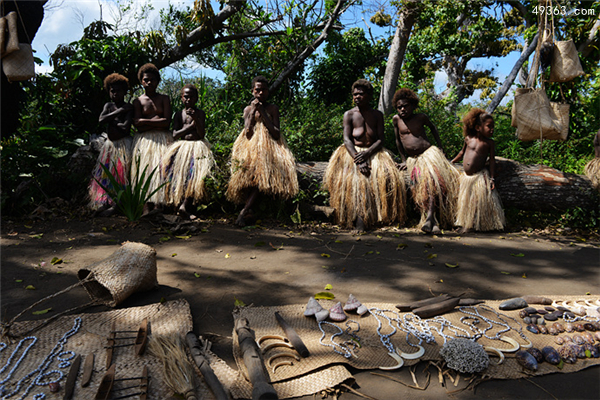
(207, 372)
(72, 378)
(292, 336)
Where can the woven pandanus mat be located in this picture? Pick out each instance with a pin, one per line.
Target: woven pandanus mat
(166, 318)
(372, 354)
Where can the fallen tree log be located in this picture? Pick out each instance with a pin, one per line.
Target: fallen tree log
(525, 187)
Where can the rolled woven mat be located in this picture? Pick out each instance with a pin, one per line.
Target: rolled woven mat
(165, 318)
(372, 354)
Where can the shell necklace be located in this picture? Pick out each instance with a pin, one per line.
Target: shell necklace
(346, 348)
(43, 378)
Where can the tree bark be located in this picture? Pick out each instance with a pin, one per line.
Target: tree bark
(525, 187)
(406, 21)
(513, 74)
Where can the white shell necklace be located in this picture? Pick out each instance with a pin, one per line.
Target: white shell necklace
(39, 376)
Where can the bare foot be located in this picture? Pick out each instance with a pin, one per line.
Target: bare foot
(240, 221)
(360, 225)
(427, 226)
(182, 212)
(108, 212)
(436, 230)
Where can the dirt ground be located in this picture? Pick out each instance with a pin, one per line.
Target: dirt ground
(212, 264)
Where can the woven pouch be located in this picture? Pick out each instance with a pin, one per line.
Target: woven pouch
(18, 65)
(536, 117)
(565, 64)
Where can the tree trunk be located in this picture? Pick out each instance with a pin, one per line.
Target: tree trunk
(511, 77)
(396, 57)
(526, 187)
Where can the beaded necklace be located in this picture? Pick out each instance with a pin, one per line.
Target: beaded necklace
(346, 348)
(43, 378)
(476, 315)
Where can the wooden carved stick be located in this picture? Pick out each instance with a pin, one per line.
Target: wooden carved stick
(292, 336)
(207, 372)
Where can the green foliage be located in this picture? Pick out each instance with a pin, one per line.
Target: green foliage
(347, 57)
(131, 197)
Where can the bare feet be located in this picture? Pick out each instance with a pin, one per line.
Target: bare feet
(360, 225)
(240, 221)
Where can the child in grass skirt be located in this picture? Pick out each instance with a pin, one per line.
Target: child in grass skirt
(364, 184)
(188, 161)
(115, 153)
(152, 118)
(479, 205)
(260, 158)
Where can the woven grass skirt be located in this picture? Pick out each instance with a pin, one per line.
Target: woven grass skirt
(116, 156)
(592, 171)
(431, 174)
(150, 147)
(479, 207)
(130, 269)
(264, 163)
(378, 198)
(184, 167)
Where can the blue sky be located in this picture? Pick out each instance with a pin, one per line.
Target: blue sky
(65, 19)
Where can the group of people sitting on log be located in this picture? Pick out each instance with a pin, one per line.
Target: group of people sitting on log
(365, 183)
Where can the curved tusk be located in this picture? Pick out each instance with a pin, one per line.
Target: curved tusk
(528, 345)
(494, 350)
(279, 355)
(396, 357)
(555, 304)
(512, 341)
(267, 337)
(412, 356)
(281, 363)
(276, 344)
(590, 304)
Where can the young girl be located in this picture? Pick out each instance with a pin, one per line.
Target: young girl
(189, 160)
(260, 159)
(116, 150)
(152, 118)
(479, 205)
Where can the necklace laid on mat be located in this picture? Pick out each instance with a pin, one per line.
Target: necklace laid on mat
(347, 348)
(39, 376)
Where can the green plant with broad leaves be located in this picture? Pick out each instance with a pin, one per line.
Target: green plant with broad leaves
(130, 198)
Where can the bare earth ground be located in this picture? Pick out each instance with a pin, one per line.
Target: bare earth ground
(274, 265)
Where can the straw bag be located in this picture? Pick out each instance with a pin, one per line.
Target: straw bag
(535, 117)
(130, 269)
(565, 64)
(19, 65)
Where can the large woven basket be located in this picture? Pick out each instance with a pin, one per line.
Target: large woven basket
(130, 269)
(565, 65)
(18, 65)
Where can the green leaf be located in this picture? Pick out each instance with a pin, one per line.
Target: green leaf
(451, 265)
(18, 280)
(164, 239)
(324, 267)
(239, 303)
(56, 260)
(184, 237)
(174, 254)
(324, 296)
(325, 255)
(517, 254)
(401, 246)
(30, 287)
(40, 312)
(197, 275)
(339, 241)
(38, 236)
(505, 273)
(328, 286)
(429, 257)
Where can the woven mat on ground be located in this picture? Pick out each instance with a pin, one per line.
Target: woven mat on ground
(372, 354)
(166, 318)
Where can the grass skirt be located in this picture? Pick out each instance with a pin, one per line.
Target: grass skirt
(479, 207)
(184, 167)
(150, 147)
(592, 170)
(381, 197)
(116, 156)
(264, 163)
(431, 174)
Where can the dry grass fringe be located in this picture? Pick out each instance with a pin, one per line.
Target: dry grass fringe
(150, 147)
(117, 157)
(264, 163)
(592, 170)
(178, 370)
(479, 207)
(184, 166)
(380, 198)
(432, 174)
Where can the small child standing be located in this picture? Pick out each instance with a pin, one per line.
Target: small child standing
(260, 158)
(479, 205)
(152, 118)
(434, 181)
(116, 150)
(189, 160)
(592, 168)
